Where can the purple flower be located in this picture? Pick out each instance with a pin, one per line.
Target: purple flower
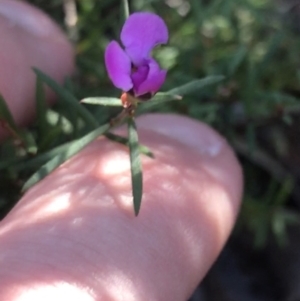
(132, 68)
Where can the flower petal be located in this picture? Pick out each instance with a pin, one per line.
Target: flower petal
(118, 66)
(140, 75)
(142, 32)
(154, 80)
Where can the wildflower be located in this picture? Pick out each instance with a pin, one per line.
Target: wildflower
(132, 69)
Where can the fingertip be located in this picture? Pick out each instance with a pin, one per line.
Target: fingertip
(191, 197)
(218, 158)
(29, 38)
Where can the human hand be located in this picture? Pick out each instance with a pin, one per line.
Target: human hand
(74, 235)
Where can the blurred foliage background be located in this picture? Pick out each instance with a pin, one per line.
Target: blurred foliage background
(255, 45)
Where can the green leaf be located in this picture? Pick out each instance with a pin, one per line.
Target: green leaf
(27, 139)
(47, 139)
(196, 85)
(41, 107)
(177, 93)
(40, 159)
(6, 116)
(70, 100)
(120, 139)
(8, 162)
(273, 47)
(103, 101)
(164, 97)
(29, 142)
(136, 166)
(126, 9)
(158, 99)
(63, 156)
(237, 59)
(285, 192)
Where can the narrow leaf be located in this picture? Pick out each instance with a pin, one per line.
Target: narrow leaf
(126, 9)
(47, 139)
(158, 99)
(196, 85)
(103, 101)
(41, 159)
(29, 142)
(273, 47)
(63, 156)
(6, 163)
(237, 59)
(27, 139)
(6, 116)
(136, 166)
(122, 140)
(165, 96)
(41, 107)
(68, 98)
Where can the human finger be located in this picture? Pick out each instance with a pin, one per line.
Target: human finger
(29, 39)
(74, 235)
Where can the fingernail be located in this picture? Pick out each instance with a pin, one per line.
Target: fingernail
(27, 17)
(187, 131)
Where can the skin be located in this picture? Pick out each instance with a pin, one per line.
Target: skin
(74, 236)
(29, 39)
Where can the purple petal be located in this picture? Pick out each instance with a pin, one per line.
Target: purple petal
(140, 75)
(142, 32)
(118, 66)
(154, 80)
